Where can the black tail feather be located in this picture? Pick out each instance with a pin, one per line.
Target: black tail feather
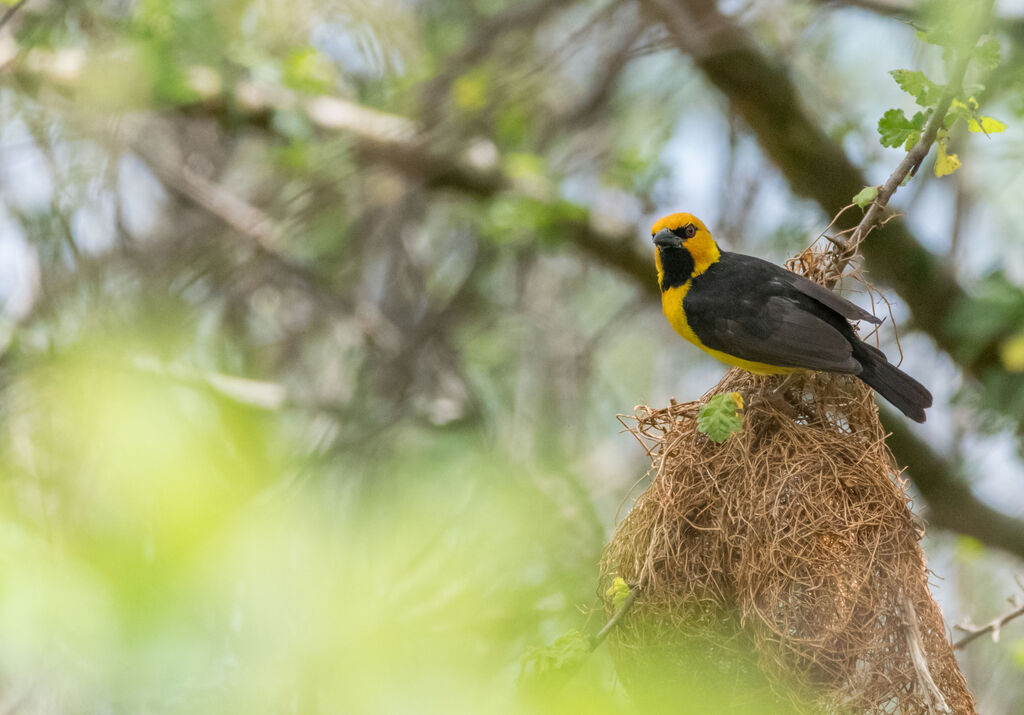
(904, 392)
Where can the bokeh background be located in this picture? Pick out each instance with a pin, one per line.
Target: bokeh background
(317, 317)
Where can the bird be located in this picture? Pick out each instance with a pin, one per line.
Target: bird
(753, 314)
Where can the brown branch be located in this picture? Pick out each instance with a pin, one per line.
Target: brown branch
(236, 213)
(251, 227)
(10, 12)
(992, 627)
(259, 231)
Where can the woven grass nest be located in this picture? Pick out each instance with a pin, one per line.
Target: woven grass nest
(780, 570)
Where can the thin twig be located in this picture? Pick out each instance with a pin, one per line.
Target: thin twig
(10, 12)
(614, 620)
(235, 212)
(992, 627)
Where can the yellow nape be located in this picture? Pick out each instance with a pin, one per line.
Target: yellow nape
(702, 246)
(672, 306)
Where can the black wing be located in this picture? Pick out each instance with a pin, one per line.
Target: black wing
(755, 310)
(827, 298)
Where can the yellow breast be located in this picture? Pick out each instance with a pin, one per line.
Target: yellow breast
(672, 306)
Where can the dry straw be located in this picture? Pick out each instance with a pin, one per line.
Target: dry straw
(783, 565)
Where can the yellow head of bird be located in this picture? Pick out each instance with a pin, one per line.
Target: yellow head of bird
(683, 245)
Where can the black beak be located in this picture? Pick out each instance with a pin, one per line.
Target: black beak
(667, 239)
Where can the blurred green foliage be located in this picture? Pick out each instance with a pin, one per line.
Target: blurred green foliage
(162, 550)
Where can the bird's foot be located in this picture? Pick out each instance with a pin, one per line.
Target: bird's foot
(777, 397)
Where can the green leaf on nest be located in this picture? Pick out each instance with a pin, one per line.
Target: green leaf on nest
(720, 417)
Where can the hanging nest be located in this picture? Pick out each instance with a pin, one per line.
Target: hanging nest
(781, 570)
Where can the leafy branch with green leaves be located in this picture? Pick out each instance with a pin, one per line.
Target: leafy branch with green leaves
(944, 106)
(895, 129)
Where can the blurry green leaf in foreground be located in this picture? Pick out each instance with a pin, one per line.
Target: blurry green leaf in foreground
(1018, 652)
(548, 666)
(618, 591)
(1012, 353)
(158, 548)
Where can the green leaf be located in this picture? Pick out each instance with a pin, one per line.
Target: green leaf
(719, 418)
(470, 91)
(618, 592)
(916, 84)
(895, 129)
(950, 24)
(306, 70)
(986, 55)
(865, 196)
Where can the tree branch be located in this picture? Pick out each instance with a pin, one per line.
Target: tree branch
(10, 12)
(993, 626)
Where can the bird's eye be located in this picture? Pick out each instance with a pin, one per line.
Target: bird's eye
(689, 230)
